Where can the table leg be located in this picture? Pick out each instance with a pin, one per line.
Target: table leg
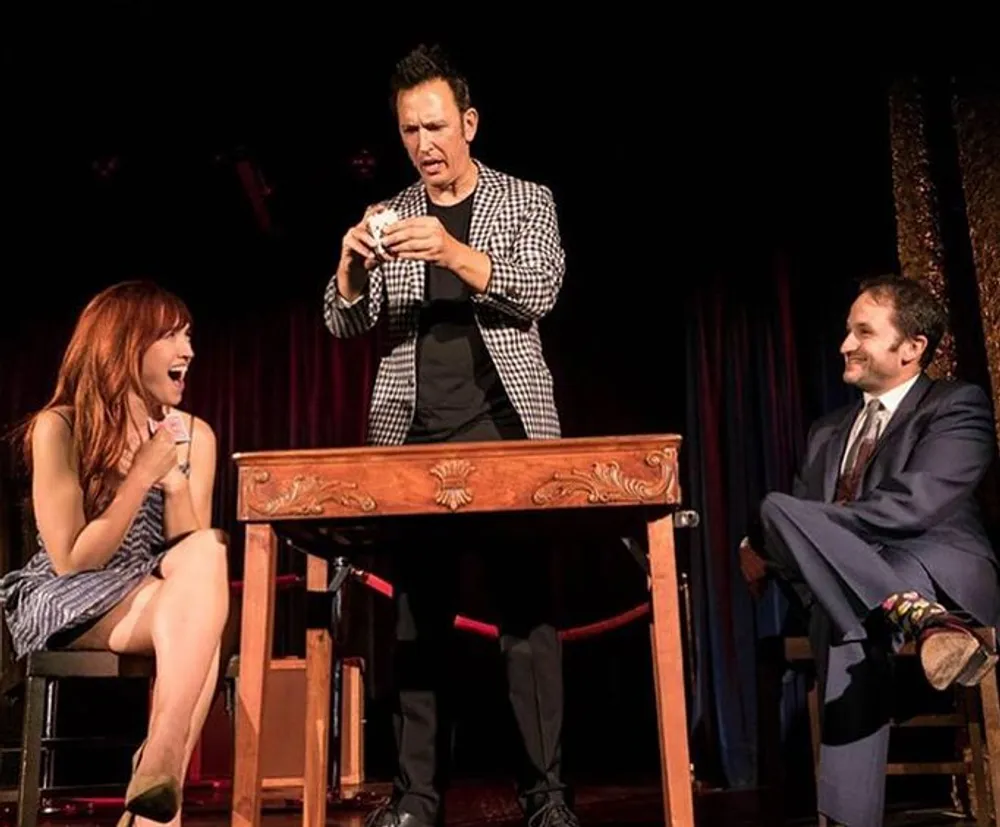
(668, 673)
(319, 672)
(260, 564)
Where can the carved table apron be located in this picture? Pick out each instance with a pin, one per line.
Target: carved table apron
(353, 486)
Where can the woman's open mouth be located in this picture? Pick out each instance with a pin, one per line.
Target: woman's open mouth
(176, 375)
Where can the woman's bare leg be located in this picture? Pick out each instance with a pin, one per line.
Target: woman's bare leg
(186, 622)
(198, 718)
(181, 619)
(201, 709)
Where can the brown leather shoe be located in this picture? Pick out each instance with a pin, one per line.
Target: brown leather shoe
(950, 652)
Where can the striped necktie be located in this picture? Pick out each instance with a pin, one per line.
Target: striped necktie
(859, 453)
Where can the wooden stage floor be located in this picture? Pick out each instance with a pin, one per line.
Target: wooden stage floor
(472, 804)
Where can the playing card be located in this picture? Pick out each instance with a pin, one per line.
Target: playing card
(377, 223)
(174, 423)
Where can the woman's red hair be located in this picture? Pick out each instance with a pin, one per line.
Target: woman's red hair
(100, 369)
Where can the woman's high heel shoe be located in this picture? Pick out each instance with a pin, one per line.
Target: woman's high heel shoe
(156, 797)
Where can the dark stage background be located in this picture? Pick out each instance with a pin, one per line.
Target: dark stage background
(714, 221)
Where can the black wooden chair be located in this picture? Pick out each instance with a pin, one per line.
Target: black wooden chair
(35, 680)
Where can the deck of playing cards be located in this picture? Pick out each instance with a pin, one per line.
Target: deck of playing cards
(377, 223)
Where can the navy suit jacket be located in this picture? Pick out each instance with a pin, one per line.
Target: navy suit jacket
(919, 490)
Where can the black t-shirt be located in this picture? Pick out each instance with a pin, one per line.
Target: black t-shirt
(459, 394)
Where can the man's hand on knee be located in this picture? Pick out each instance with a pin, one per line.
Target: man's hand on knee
(753, 567)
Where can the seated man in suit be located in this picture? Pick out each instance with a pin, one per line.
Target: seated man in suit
(881, 538)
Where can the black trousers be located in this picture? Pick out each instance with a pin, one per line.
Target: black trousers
(426, 602)
(426, 593)
(841, 580)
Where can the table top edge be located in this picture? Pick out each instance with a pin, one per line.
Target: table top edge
(527, 446)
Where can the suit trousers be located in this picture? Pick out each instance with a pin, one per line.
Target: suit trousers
(840, 579)
(426, 602)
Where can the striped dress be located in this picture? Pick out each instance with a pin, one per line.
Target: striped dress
(39, 604)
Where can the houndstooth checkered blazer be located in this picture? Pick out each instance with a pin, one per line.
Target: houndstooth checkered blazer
(515, 223)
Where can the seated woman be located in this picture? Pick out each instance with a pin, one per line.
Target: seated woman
(128, 561)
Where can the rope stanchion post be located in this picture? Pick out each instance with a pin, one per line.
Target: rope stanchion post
(341, 572)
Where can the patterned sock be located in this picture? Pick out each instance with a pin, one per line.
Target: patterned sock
(909, 611)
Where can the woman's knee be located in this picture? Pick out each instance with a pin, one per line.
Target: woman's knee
(202, 554)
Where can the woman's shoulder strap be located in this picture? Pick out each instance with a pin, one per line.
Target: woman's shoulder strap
(186, 465)
(64, 416)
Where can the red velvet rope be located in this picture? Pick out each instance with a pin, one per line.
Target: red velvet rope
(282, 581)
(478, 627)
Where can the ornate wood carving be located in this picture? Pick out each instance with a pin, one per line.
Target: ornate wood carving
(452, 475)
(605, 482)
(302, 495)
(346, 483)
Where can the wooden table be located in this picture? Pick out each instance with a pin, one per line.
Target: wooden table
(356, 485)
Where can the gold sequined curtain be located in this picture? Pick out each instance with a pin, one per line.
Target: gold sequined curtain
(918, 227)
(945, 145)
